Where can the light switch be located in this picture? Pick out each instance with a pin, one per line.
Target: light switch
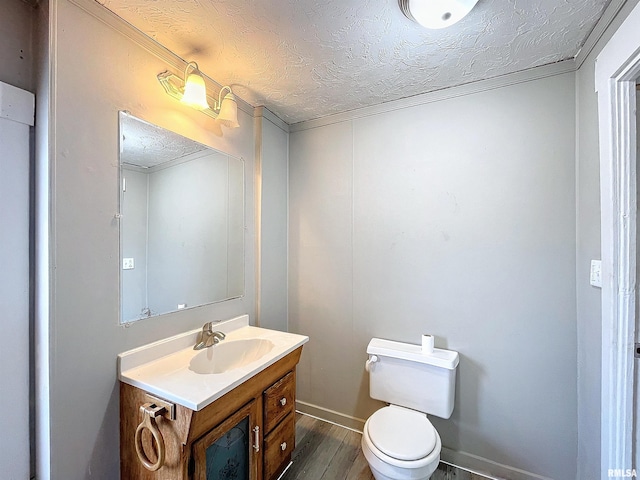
(127, 264)
(595, 277)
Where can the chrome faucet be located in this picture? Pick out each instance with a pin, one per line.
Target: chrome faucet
(208, 337)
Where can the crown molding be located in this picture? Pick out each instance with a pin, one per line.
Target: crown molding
(264, 112)
(599, 29)
(536, 73)
(173, 61)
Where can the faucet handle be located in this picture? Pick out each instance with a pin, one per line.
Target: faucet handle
(207, 328)
(207, 337)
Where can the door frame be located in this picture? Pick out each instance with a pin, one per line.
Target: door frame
(617, 68)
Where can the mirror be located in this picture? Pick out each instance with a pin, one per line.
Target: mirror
(181, 222)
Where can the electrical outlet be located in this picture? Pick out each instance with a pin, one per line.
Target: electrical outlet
(127, 264)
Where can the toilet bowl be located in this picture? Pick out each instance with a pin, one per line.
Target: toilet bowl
(400, 444)
(399, 441)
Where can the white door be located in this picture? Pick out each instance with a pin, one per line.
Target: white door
(15, 120)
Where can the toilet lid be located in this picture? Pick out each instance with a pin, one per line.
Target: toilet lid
(402, 433)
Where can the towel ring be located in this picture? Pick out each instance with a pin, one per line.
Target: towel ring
(150, 412)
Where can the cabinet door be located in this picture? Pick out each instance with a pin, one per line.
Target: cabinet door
(231, 450)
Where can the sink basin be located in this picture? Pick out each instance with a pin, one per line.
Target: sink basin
(229, 355)
(172, 370)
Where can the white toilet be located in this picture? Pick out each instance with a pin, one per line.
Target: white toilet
(399, 441)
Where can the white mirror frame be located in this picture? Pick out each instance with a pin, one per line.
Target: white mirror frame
(617, 68)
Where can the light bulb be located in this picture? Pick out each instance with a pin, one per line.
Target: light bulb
(228, 115)
(195, 92)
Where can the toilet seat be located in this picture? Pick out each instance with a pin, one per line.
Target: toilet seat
(395, 468)
(401, 433)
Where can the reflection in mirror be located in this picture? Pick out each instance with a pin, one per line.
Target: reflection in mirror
(181, 222)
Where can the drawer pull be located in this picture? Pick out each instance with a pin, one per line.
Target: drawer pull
(256, 437)
(283, 401)
(283, 446)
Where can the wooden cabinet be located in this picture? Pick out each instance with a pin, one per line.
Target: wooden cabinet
(253, 425)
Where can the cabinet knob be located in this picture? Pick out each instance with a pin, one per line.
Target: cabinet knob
(283, 446)
(283, 401)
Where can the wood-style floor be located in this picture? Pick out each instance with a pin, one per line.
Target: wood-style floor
(328, 452)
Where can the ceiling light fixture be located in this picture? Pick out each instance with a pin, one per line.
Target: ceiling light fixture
(192, 91)
(436, 13)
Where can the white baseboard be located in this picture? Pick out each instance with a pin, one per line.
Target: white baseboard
(331, 416)
(485, 467)
(465, 461)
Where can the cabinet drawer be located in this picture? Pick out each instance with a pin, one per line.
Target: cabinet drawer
(279, 401)
(278, 446)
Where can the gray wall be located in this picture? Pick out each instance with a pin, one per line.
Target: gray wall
(79, 335)
(16, 47)
(588, 297)
(237, 244)
(188, 210)
(175, 226)
(274, 225)
(134, 242)
(455, 218)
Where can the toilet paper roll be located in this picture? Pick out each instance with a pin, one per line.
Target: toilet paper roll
(427, 344)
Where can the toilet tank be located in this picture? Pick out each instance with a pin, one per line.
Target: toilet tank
(401, 374)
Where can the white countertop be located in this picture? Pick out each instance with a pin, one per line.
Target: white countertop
(162, 368)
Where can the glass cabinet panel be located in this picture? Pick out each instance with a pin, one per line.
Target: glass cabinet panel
(228, 457)
(229, 451)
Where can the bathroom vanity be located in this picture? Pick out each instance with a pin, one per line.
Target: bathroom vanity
(210, 414)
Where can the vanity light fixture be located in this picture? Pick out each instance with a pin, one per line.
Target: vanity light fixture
(436, 14)
(193, 92)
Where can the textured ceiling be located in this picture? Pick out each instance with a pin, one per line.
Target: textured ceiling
(305, 59)
(145, 145)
